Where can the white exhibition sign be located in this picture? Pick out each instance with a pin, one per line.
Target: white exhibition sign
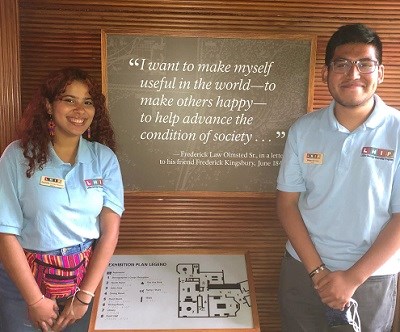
(201, 291)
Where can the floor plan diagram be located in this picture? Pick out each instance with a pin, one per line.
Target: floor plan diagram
(173, 292)
(207, 294)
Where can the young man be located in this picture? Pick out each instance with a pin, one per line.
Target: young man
(338, 198)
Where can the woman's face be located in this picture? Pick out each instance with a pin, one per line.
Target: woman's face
(72, 111)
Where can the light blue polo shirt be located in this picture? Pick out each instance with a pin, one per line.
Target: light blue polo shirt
(349, 182)
(59, 205)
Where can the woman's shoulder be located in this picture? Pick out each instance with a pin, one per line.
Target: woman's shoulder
(13, 155)
(14, 145)
(100, 150)
(14, 148)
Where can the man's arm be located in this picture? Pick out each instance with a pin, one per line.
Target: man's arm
(337, 287)
(385, 246)
(296, 231)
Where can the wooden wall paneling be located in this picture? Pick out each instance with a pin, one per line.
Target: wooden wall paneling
(55, 33)
(9, 71)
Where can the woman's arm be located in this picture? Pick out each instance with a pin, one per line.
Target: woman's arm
(41, 311)
(103, 251)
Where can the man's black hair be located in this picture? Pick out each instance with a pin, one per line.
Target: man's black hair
(353, 34)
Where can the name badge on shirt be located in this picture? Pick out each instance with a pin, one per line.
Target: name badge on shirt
(52, 182)
(313, 158)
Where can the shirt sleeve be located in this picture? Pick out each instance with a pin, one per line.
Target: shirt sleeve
(290, 177)
(11, 217)
(395, 199)
(113, 186)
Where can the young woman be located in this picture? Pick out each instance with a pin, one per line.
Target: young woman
(62, 199)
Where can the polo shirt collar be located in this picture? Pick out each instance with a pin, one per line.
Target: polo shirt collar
(83, 156)
(378, 115)
(374, 120)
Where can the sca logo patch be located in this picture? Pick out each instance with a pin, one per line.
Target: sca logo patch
(377, 153)
(94, 183)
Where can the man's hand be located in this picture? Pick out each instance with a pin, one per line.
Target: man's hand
(335, 288)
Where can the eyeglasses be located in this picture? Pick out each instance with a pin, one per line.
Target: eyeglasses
(365, 66)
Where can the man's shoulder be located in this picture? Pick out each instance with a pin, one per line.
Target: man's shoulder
(390, 110)
(312, 117)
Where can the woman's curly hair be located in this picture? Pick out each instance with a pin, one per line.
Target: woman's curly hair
(33, 128)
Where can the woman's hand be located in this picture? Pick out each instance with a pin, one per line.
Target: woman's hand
(73, 310)
(43, 314)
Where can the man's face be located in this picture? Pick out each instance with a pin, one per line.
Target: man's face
(353, 89)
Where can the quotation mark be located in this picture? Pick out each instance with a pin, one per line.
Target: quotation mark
(280, 134)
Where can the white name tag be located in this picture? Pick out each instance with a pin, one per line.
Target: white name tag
(313, 158)
(52, 182)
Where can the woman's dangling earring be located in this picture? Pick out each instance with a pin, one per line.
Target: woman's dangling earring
(89, 133)
(51, 126)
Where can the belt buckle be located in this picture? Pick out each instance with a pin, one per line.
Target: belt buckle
(64, 251)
